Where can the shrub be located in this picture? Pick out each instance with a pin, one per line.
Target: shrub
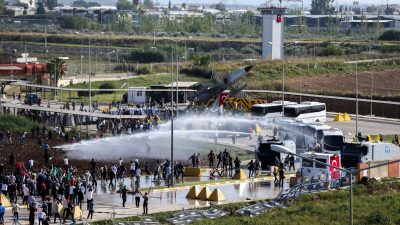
(197, 72)
(390, 35)
(16, 123)
(148, 56)
(106, 85)
(143, 70)
(378, 218)
(331, 50)
(86, 93)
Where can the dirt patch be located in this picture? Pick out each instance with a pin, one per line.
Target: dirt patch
(385, 83)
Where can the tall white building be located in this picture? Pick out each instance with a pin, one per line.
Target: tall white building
(30, 3)
(272, 33)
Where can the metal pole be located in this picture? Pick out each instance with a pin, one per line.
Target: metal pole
(177, 78)
(372, 93)
(90, 83)
(356, 92)
(351, 198)
(172, 124)
(283, 82)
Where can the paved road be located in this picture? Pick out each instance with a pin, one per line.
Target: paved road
(366, 125)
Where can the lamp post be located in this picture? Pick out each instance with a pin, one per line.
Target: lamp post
(283, 75)
(356, 92)
(177, 72)
(284, 150)
(97, 53)
(172, 125)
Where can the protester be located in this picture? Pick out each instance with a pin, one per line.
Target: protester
(145, 203)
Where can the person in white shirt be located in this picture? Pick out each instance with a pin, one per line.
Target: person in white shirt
(41, 216)
(66, 162)
(15, 211)
(30, 164)
(132, 169)
(26, 194)
(138, 172)
(4, 188)
(121, 161)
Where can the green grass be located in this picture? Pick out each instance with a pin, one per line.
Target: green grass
(376, 203)
(16, 123)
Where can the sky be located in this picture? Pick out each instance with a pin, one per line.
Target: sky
(247, 2)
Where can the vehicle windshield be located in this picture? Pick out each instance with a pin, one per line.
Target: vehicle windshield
(333, 143)
(257, 111)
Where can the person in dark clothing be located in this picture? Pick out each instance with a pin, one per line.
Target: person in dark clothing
(32, 210)
(145, 203)
(250, 166)
(211, 158)
(291, 162)
(193, 159)
(237, 165)
(11, 159)
(219, 157)
(123, 195)
(90, 209)
(281, 174)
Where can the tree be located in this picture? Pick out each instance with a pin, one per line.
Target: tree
(148, 4)
(220, 6)
(40, 9)
(322, 7)
(79, 3)
(2, 6)
(75, 22)
(51, 4)
(124, 5)
(184, 6)
(57, 66)
(389, 11)
(93, 4)
(372, 9)
(169, 5)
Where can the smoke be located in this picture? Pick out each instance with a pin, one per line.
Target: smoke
(192, 134)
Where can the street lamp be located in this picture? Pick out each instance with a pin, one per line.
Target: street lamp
(284, 150)
(283, 74)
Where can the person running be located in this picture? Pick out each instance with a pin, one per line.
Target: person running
(250, 166)
(15, 210)
(145, 203)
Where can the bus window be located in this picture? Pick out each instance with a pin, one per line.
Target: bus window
(291, 112)
(317, 165)
(307, 163)
(258, 111)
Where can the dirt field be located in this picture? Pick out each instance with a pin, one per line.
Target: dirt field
(385, 83)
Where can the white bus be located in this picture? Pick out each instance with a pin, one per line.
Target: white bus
(308, 112)
(331, 140)
(269, 111)
(310, 136)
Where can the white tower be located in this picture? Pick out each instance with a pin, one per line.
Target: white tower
(272, 33)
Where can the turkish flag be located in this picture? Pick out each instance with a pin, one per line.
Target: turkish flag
(222, 97)
(335, 161)
(279, 18)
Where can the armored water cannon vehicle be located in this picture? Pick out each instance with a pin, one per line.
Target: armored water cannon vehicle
(363, 152)
(267, 156)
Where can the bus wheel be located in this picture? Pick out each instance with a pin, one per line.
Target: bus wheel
(317, 121)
